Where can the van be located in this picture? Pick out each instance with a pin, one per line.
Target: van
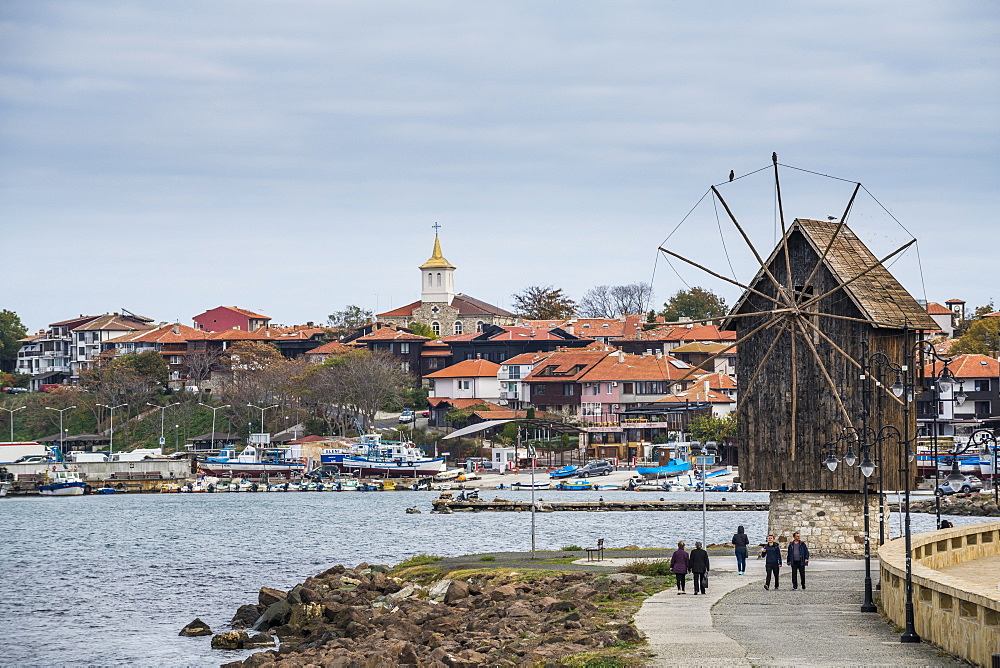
(77, 457)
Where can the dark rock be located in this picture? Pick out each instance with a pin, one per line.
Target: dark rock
(503, 592)
(260, 658)
(277, 614)
(269, 596)
(456, 590)
(628, 633)
(571, 617)
(246, 616)
(196, 628)
(560, 606)
(229, 640)
(258, 641)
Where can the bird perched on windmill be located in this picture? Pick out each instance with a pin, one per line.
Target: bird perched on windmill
(732, 174)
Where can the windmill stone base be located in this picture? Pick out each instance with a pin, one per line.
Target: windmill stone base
(831, 523)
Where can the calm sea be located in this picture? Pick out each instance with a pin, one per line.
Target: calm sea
(104, 580)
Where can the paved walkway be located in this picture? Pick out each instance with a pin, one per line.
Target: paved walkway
(740, 624)
(980, 572)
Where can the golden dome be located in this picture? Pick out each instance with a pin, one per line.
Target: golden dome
(437, 260)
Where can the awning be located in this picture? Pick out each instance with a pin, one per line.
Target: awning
(49, 374)
(557, 427)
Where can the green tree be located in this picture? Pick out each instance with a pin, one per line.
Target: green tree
(509, 433)
(343, 322)
(12, 330)
(982, 337)
(705, 428)
(422, 329)
(983, 311)
(696, 303)
(148, 364)
(543, 302)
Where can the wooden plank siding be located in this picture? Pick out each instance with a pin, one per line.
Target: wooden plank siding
(765, 420)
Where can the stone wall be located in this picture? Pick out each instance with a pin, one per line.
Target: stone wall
(961, 616)
(831, 523)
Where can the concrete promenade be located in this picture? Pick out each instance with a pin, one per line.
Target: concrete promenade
(740, 624)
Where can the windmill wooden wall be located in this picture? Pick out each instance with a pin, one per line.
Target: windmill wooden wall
(768, 460)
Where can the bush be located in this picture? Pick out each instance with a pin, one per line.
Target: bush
(571, 548)
(651, 568)
(488, 557)
(419, 560)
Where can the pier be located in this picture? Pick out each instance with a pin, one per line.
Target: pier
(504, 505)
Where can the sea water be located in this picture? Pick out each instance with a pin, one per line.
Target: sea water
(101, 580)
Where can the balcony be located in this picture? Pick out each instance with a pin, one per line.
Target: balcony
(509, 395)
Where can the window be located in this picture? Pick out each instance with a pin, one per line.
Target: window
(514, 372)
(404, 348)
(464, 384)
(430, 279)
(982, 408)
(609, 388)
(439, 279)
(539, 389)
(480, 326)
(628, 388)
(597, 388)
(983, 385)
(458, 326)
(405, 366)
(569, 389)
(512, 387)
(81, 337)
(592, 409)
(436, 326)
(432, 363)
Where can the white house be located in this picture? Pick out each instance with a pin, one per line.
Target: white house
(513, 391)
(469, 379)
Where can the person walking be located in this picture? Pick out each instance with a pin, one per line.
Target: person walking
(740, 542)
(798, 559)
(772, 561)
(680, 566)
(699, 568)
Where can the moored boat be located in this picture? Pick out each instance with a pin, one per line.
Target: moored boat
(61, 481)
(575, 485)
(254, 463)
(527, 485)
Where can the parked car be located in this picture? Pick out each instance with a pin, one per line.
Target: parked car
(599, 467)
(425, 414)
(406, 416)
(970, 484)
(14, 390)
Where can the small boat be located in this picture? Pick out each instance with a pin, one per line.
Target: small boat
(6, 481)
(528, 485)
(576, 485)
(389, 486)
(564, 472)
(608, 487)
(673, 467)
(450, 474)
(61, 481)
(441, 487)
(105, 490)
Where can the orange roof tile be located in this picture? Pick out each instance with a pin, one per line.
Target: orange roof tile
(967, 366)
(710, 347)
(175, 333)
(637, 367)
(115, 322)
(717, 381)
(459, 403)
(332, 348)
(468, 369)
(696, 394)
(527, 358)
(391, 334)
(933, 308)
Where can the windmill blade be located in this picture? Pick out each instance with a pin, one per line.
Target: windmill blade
(725, 278)
(784, 231)
(753, 249)
(735, 343)
(836, 233)
(850, 359)
(795, 396)
(729, 317)
(826, 374)
(875, 266)
(753, 379)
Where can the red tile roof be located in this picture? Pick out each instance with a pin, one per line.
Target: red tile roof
(696, 394)
(527, 358)
(593, 327)
(933, 308)
(115, 322)
(465, 304)
(332, 348)
(402, 310)
(710, 347)
(967, 366)
(468, 369)
(566, 366)
(717, 381)
(623, 367)
(243, 311)
(676, 332)
(176, 333)
(391, 334)
(238, 335)
(459, 403)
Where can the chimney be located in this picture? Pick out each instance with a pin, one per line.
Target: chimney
(569, 327)
(659, 354)
(479, 356)
(176, 328)
(706, 387)
(621, 357)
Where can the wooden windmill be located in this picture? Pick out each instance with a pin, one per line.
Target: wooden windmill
(803, 323)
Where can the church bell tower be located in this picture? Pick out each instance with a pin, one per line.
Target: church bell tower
(437, 277)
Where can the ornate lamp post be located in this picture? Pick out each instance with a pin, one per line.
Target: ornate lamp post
(943, 383)
(982, 437)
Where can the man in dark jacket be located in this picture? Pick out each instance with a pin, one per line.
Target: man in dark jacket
(740, 542)
(698, 563)
(798, 558)
(772, 561)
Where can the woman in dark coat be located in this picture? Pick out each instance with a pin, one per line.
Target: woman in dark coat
(699, 568)
(740, 542)
(680, 566)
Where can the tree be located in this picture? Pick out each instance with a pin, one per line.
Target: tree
(696, 304)
(982, 337)
(200, 365)
(543, 302)
(12, 330)
(148, 364)
(612, 301)
(705, 428)
(350, 318)
(982, 311)
(422, 329)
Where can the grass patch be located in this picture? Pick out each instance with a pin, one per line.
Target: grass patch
(650, 568)
(502, 575)
(423, 575)
(488, 557)
(557, 560)
(419, 560)
(571, 548)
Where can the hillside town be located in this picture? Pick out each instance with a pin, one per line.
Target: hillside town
(628, 382)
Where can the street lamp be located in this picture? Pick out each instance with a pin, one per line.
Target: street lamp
(62, 446)
(982, 437)
(214, 409)
(177, 429)
(696, 450)
(163, 410)
(111, 443)
(262, 409)
(12, 411)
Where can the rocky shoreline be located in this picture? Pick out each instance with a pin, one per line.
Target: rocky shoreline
(974, 505)
(423, 615)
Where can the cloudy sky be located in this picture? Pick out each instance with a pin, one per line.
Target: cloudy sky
(291, 156)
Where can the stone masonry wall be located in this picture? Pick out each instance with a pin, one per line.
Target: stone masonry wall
(831, 523)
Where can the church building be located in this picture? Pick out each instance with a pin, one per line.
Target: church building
(446, 312)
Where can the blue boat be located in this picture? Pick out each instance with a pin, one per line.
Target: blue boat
(673, 467)
(575, 485)
(564, 472)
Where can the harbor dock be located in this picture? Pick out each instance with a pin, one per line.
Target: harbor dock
(503, 505)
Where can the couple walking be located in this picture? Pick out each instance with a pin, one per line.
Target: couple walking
(695, 562)
(797, 558)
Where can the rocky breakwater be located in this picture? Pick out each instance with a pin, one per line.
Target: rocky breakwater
(977, 505)
(365, 617)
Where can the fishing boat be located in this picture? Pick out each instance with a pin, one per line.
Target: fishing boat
(6, 481)
(371, 457)
(564, 472)
(527, 485)
(61, 481)
(575, 485)
(673, 467)
(254, 463)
